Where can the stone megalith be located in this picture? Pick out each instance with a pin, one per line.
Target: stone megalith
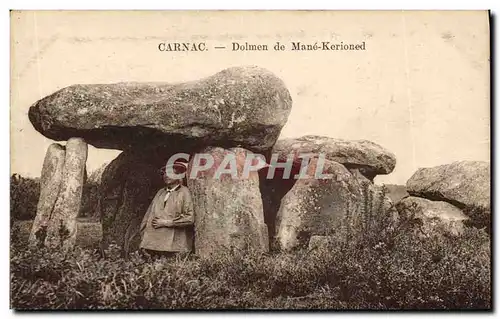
(245, 106)
(272, 191)
(237, 107)
(436, 217)
(50, 182)
(364, 159)
(369, 158)
(465, 184)
(128, 185)
(61, 231)
(228, 207)
(318, 208)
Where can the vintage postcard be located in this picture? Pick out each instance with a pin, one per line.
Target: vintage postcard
(329, 160)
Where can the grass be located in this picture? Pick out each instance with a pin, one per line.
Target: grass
(412, 275)
(371, 262)
(441, 273)
(88, 233)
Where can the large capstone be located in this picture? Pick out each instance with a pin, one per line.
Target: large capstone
(370, 158)
(228, 207)
(239, 106)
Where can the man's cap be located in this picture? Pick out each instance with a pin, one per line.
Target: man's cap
(177, 167)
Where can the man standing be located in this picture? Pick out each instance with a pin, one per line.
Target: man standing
(167, 227)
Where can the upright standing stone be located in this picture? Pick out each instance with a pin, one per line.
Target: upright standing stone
(316, 207)
(61, 231)
(228, 210)
(50, 183)
(127, 188)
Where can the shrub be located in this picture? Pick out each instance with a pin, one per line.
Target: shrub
(25, 192)
(90, 198)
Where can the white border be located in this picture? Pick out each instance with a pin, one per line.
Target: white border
(180, 5)
(256, 4)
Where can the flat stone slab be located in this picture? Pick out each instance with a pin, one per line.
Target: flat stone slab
(371, 158)
(239, 106)
(465, 184)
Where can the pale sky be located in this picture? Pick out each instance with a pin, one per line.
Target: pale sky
(421, 88)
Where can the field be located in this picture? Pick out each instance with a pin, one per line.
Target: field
(373, 267)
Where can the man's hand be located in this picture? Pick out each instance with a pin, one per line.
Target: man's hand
(160, 222)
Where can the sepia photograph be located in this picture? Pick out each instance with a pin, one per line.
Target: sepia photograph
(250, 160)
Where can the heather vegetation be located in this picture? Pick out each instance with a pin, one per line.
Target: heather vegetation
(25, 191)
(372, 262)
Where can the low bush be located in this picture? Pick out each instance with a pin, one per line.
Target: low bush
(373, 261)
(394, 270)
(25, 192)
